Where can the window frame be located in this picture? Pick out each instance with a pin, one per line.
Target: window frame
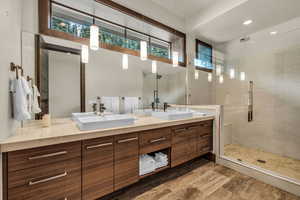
(45, 28)
(199, 42)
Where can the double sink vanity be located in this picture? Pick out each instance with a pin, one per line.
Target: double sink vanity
(62, 162)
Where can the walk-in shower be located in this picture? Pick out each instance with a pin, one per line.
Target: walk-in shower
(261, 113)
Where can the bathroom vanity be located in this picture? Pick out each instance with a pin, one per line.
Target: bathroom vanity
(63, 163)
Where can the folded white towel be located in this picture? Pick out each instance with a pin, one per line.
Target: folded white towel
(161, 160)
(112, 104)
(146, 164)
(131, 104)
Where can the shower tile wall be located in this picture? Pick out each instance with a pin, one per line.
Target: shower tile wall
(273, 63)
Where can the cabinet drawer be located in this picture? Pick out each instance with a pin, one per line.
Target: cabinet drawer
(97, 168)
(205, 144)
(155, 140)
(206, 127)
(184, 132)
(126, 160)
(24, 159)
(58, 181)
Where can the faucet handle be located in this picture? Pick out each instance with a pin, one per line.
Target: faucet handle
(166, 105)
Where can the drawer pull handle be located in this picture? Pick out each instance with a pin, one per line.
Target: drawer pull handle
(127, 140)
(204, 124)
(48, 179)
(99, 145)
(193, 127)
(206, 149)
(180, 130)
(158, 140)
(48, 155)
(206, 136)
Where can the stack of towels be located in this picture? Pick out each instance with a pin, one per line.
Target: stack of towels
(161, 160)
(150, 163)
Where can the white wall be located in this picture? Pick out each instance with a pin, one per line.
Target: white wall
(273, 63)
(200, 91)
(10, 51)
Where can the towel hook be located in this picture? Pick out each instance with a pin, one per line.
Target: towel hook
(14, 68)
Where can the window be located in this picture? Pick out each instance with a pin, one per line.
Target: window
(203, 59)
(121, 29)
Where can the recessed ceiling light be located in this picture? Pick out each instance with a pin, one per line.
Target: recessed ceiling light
(273, 33)
(247, 22)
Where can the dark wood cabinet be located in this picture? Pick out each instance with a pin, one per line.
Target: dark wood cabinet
(126, 160)
(45, 173)
(184, 144)
(205, 137)
(90, 169)
(190, 141)
(97, 168)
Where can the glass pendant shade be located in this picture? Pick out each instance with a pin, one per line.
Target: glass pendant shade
(94, 37)
(144, 50)
(243, 76)
(218, 70)
(221, 79)
(84, 54)
(175, 59)
(209, 77)
(125, 62)
(232, 73)
(154, 67)
(196, 74)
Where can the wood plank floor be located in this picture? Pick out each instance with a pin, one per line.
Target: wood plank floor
(197, 180)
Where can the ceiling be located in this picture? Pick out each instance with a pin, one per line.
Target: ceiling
(185, 8)
(221, 21)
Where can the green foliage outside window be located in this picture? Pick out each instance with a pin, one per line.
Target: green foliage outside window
(106, 36)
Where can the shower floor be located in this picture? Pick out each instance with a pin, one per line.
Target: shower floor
(282, 165)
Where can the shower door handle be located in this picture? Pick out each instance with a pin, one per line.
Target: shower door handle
(250, 102)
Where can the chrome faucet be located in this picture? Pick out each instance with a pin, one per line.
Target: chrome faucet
(101, 107)
(166, 106)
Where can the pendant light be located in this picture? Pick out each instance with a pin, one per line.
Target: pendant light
(231, 73)
(209, 77)
(243, 76)
(218, 70)
(221, 79)
(94, 35)
(154, 67)
(125, 62)
(144, 51)
(84, 54)
(196, 74)
(175, 58)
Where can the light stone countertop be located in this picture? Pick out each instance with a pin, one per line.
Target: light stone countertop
(65, 130)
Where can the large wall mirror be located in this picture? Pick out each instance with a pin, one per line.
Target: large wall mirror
(67, 85)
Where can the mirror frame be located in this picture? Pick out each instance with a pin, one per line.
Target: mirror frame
(42, 45)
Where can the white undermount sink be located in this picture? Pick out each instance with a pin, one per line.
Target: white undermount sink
(93, 122)
(172, 115)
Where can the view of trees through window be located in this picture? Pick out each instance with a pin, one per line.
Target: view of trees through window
(106, 36)
(203, 55)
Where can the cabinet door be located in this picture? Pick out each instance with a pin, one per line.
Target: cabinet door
(126, 160)
(56, 181)
(205, 138)
(184, 144)
(97, 168)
